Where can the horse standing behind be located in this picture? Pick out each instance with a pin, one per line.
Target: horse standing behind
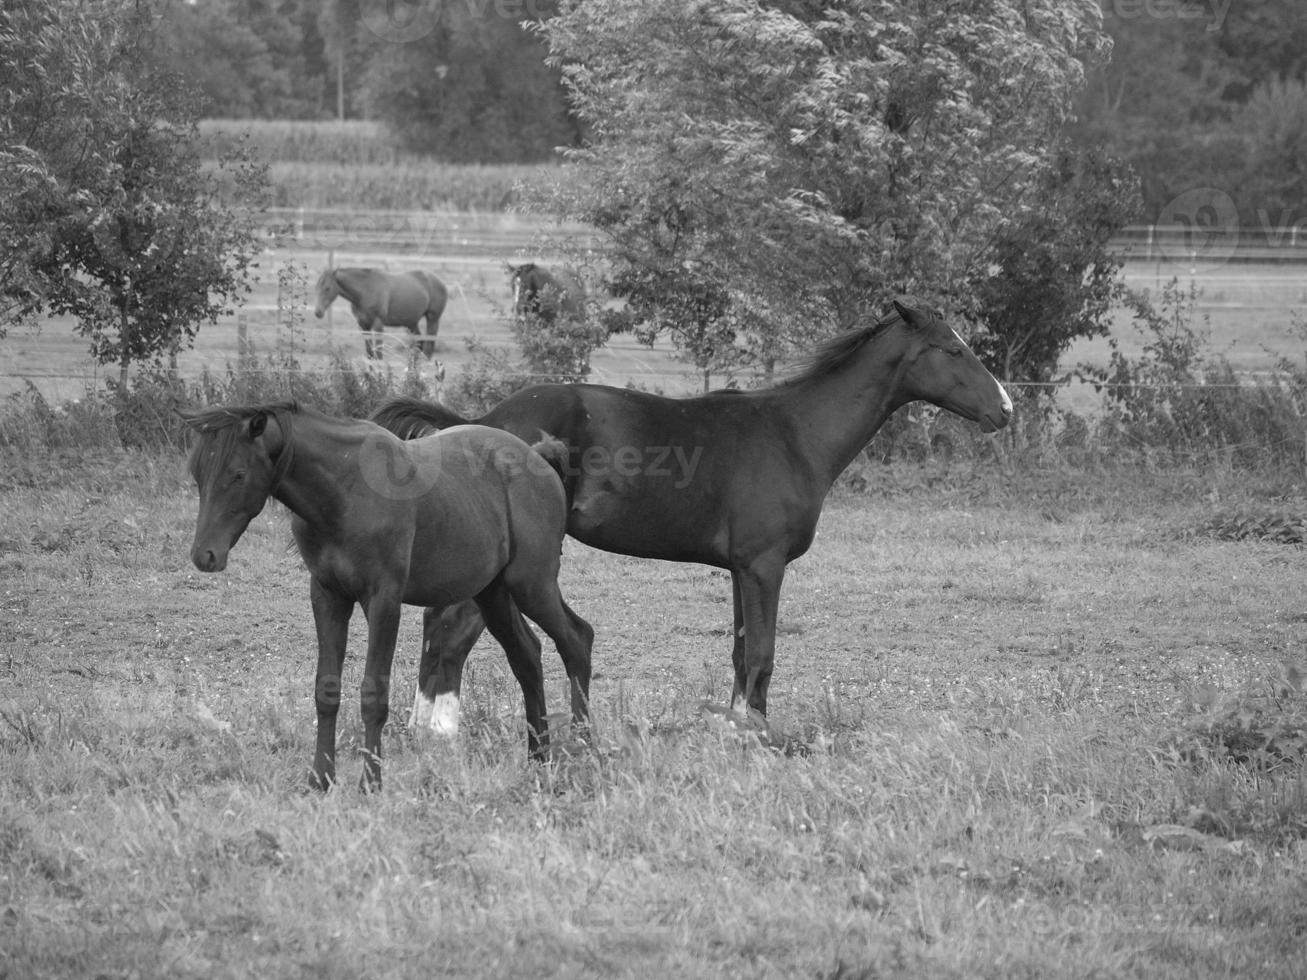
(385, 299)
(734, 480)
(546, 295)
(472, 514)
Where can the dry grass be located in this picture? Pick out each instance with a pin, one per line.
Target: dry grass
(1013, 703)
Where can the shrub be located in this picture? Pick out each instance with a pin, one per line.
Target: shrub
(492, 375)
(142, 415)
(1176, 398)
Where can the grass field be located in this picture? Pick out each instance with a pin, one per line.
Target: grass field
(1028, 718)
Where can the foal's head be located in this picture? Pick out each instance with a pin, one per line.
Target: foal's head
(238, 459)
(944, 371)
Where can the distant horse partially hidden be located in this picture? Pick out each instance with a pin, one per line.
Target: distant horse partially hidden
(546, 295)
(730, 479)
(385, 299)
(471, 514)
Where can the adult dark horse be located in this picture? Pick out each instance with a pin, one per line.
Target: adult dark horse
(385, 299)
(546, 295)
(471, 514)
(734, 480)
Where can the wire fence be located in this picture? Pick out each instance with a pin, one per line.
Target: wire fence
(1238, 276)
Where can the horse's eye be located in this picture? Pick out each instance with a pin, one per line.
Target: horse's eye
(238, 476)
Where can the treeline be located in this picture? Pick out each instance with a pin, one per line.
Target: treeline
(1207, 100)
(461, 82)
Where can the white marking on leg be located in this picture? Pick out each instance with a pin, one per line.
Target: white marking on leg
(421, 716)
(444, 714)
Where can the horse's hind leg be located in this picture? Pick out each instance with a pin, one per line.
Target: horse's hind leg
(573, 636)
(448, 636)
(507, 626)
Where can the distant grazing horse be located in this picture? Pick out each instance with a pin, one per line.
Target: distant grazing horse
(385, 299)
(471, 514)
(730, 479)
(546, 295)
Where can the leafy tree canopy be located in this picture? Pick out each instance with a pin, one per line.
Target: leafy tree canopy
(107, 211)
(812, 159)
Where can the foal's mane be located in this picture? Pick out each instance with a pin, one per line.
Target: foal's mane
(832, 353)
(225, 424)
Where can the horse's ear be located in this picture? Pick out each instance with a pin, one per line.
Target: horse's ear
(905, 308)
(258, 423)
(189, 416)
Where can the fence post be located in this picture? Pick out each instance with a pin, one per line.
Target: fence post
(331, 264)
(242, 340)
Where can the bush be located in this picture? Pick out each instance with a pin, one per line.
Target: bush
(142, 415)
(492, 376)
(1178, 399)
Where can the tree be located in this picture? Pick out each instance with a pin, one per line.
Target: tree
(107, 212)
(697, 314)
(249, 58)
(1183, 95)
(1052, 277)
(814, 158)
(468, 86)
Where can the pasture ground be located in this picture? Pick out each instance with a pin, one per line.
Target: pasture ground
(1013, 704)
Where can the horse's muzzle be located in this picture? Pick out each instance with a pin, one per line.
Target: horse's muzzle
(208, 560)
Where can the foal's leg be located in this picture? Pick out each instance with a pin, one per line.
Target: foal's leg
(574, 637)
(758, 589)
(382, 611)
(448, 636)
(331, 613)
(523, 649)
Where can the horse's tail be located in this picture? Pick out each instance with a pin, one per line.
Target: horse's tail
(411, 418)
(555, 453)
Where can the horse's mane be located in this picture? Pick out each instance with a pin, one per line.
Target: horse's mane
(225, 423)
(410, 418)
(829, 355)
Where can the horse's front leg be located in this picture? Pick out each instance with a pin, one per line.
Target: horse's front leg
(432, 324)
(371, 327)
(331, 613)
(757, 596)
(383, 612)
(448, 636)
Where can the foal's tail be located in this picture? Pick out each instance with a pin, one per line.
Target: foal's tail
(555, 452)
(411, 418)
